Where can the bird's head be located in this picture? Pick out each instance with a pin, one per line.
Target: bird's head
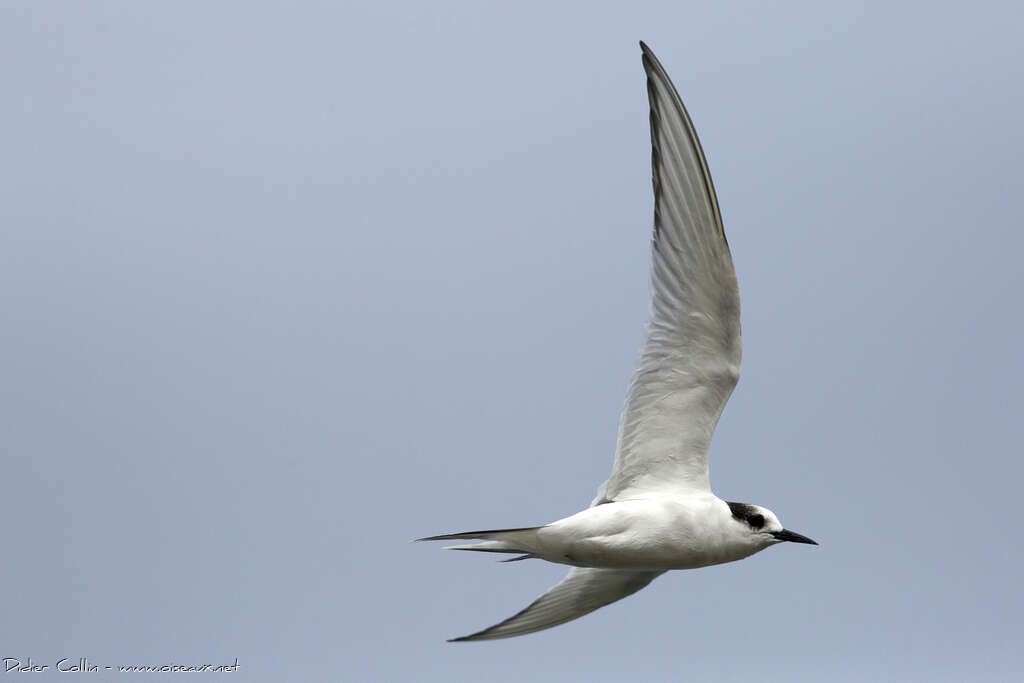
(762, 527)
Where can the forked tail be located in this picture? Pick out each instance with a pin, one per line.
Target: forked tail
(520, 541)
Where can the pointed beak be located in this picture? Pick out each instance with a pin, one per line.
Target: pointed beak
(787, 535)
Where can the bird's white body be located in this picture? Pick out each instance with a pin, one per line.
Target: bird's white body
(656, 534)
(656, 512)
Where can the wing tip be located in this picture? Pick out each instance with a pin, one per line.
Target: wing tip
(650, 60)
(479, 635)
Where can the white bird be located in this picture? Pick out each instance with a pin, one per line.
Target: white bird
(657, 512)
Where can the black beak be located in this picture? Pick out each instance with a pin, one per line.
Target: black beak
(787, 535)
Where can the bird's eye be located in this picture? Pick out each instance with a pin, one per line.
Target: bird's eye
(755, 521)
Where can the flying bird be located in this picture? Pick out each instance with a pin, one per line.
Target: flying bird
(657, 512)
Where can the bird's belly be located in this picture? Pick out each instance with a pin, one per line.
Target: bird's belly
(630, 554)
(638, 536)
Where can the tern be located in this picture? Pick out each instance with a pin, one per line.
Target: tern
(657, 512)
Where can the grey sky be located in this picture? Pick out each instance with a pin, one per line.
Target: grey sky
(285, 286)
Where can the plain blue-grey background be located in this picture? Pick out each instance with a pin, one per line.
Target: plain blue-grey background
(285, 285)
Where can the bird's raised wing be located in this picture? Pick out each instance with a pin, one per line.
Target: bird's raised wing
(582, 591)
(690, 360)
